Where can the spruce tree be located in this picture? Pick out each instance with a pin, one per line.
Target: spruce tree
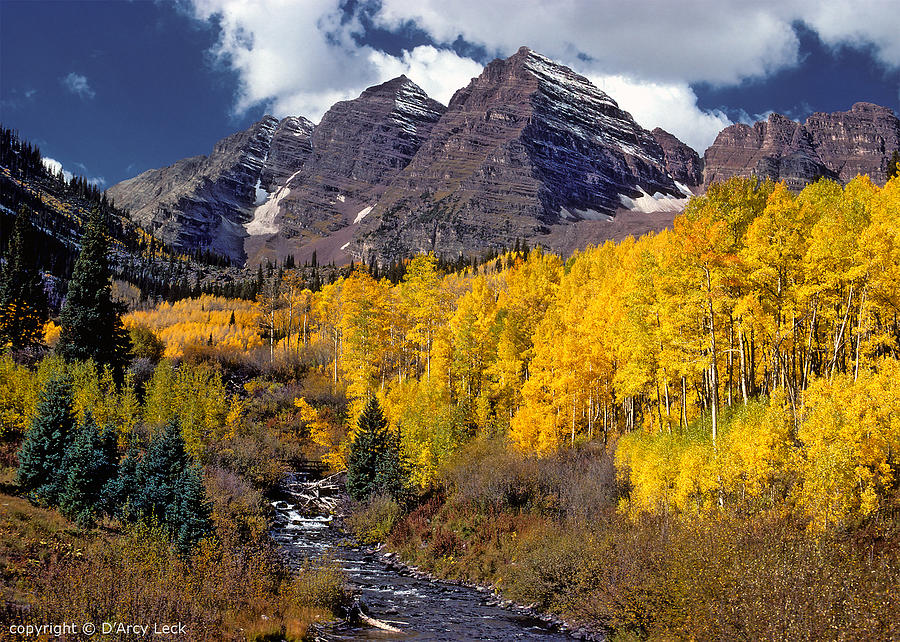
(43, 451)
(157, 472)
(168, 489)
(90, 464)
(373, 462)
(893, 169)
(120, 491)
(23, 303)
(90, 321)
(189, 513)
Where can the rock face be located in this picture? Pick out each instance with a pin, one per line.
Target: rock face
(356, 150)
(528, 150)
(203, 202)
(683, 162)
(838, 146)
(290, 147)
(859, 141)
(527, 144)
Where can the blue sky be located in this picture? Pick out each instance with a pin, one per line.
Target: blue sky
(110, 89)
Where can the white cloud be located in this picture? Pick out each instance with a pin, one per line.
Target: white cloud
(672, 106)
(718, 42)
(440, 72)
(55, 167)
(78, 84)
(873, 22)
(300, 57)
(297, 58)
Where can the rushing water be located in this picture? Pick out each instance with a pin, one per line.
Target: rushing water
(423, 609)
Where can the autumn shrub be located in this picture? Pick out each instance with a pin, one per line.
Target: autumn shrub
(573, 483)
(374, 519)
(554, 567)
(145, 344)
(219, 594)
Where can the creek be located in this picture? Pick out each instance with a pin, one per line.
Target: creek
(421, 607)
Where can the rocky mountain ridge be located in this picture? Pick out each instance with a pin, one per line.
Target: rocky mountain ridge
(527, 145)
(528, 150)
(838, 146)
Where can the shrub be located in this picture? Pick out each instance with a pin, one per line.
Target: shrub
(374, 521)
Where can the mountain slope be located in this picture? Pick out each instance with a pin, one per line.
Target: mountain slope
(526, 145)
(204, 201)
(355, 151)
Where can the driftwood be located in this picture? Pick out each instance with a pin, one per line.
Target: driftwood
(378, 624)
(318, 494)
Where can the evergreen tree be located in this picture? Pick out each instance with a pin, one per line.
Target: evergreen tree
(43, 451)
(373, 462)
(893, 168)
(189, 513)
(157, 472)
(120, 491)
(90, 464)
(23, 303)
(168, 488)
(90, 321)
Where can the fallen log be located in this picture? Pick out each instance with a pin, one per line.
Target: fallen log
(384, 626)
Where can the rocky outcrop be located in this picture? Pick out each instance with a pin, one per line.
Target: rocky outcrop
(683, 162)
(202, 202)
(859, 141)
(526, 145)
(839, 146)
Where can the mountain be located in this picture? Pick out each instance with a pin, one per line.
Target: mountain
(527, 146)
(682, 162)
(839, 146)
(528, 150)
(357, 149)
(57, 207)
(204, 201)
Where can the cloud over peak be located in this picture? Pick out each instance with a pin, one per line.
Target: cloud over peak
(299, 58)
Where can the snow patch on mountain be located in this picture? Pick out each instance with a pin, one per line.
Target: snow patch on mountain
(658, 202)
(264, 216)
(261, 195)
(362, 213)
(684, 189)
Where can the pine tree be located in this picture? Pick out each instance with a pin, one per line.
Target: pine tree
(168, 488)
(90, 321)
(43, 451)
(893, 169)
(23, 303)
(90, 464)
(373, 462)
(189, 514)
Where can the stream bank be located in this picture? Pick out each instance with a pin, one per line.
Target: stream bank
(401, 596)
